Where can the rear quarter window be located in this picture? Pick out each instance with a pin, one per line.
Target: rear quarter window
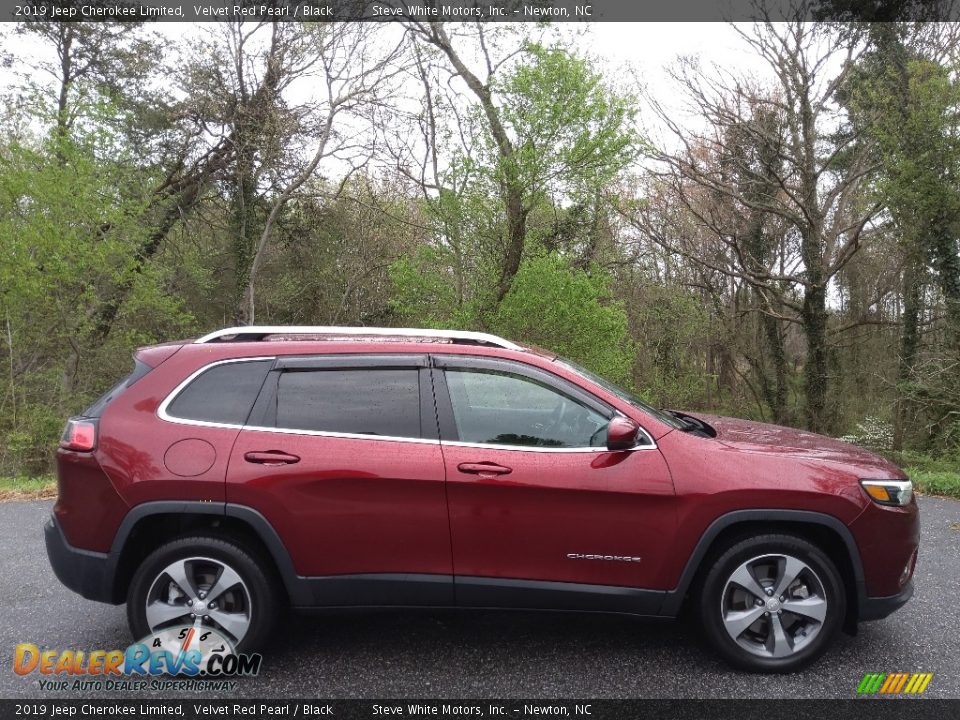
(223, 393)
(140, 369)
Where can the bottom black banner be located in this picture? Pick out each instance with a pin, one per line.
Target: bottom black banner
(869, 709)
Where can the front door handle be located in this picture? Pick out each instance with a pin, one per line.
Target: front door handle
(484, 469)
(271, 457)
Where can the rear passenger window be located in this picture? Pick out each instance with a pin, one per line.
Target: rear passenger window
(360, 402)
(223, 394)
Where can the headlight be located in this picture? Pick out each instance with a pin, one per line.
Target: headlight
(889, 492)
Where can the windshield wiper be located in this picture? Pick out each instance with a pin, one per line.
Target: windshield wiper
(690, 425)
(687, 423)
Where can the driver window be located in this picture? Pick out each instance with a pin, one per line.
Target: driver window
(505, 409)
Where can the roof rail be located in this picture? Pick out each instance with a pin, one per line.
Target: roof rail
(254, 333)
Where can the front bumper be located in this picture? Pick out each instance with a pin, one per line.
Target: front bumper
(83, 571)
(877, 608)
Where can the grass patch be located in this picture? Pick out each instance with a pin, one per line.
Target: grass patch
(935, 482)
(930, 475)
(28, 488)
(933, 475)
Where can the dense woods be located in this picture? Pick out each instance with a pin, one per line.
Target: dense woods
(786, 248)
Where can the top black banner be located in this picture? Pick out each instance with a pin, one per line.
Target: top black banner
(474, 10)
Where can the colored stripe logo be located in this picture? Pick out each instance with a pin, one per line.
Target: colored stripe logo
(894, 683)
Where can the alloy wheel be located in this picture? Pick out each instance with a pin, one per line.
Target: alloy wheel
(773, 605)
(202, 592)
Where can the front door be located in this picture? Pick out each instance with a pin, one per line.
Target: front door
(535, 498)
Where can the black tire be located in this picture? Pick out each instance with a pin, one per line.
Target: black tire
(264, 602)
(714, 594)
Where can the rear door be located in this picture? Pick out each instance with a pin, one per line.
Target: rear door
(535, 498)
(341, 455)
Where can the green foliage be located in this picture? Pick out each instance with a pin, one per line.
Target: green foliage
(941, 463)
(27, 446)
(552, 305)
(931, 474)
(573, 132)
(570, 312)
(669, 327)
(424, 294)
(71, 217)
(908, 105)
(910, 108)
(572, 135)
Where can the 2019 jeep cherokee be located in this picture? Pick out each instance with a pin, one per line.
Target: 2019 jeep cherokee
(261, 467)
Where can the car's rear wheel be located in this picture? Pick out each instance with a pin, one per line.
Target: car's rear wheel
(206, 583)
(772, 603)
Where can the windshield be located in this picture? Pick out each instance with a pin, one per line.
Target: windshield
(623, 394)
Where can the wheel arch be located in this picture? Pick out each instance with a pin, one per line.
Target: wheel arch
(825, 531)
(148, 526)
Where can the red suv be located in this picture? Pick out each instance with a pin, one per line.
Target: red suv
(316, 467)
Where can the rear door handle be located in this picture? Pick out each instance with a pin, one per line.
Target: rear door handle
(271, 457)
(484, 469)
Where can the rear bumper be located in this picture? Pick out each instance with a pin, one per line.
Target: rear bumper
(877, 608)
(85, 572)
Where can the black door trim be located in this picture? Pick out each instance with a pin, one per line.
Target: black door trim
(376, 590)
(506, 593)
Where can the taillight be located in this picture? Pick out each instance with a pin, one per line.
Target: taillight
(80, 434)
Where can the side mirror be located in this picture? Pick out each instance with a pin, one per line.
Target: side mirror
(622, 433)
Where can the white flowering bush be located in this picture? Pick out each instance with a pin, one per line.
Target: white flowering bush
(872, 433)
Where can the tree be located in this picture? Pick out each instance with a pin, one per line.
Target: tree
(353, 76)
(103, 60)
(908, 103)
(810, 179)
(538, 132)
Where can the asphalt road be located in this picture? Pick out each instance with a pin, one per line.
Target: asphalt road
(500, 655)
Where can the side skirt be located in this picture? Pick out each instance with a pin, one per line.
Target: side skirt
(416, 590)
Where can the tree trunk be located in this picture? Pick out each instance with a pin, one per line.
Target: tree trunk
(511, 188)
(943, 245)
(909, 342)
(516, 235)
(243, 224)
(62, 129)
(816, 379)
(778, 356)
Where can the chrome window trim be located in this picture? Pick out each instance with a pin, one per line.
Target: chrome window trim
(534, 448)
(163, 413)
(554, 382)
(345, 436)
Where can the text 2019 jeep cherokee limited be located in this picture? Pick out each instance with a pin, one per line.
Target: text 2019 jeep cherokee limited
(261, 467)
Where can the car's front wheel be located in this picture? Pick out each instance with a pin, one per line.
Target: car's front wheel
(772, 603)
(206, 583)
